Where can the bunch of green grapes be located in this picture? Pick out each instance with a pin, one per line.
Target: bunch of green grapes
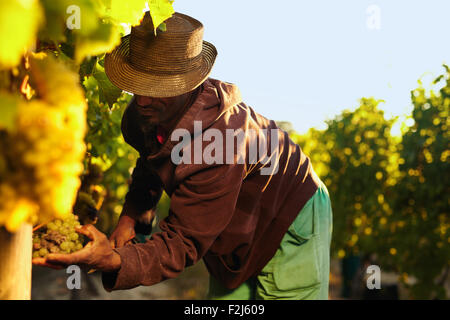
(58, 236)
(42, 155)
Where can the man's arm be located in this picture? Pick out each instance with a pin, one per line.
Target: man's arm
(145, 188)
(144, 191)
(139, 208)
(201, 208)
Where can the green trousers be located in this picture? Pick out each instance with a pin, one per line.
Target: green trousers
(300, 268)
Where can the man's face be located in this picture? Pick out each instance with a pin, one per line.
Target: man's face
(155, 110)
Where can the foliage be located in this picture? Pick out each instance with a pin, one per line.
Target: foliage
(420, 224)
(390, 194)
(51, 64)
(107, 149)
(355, 157)
(161, 10)
(60, 138)
(19, 22)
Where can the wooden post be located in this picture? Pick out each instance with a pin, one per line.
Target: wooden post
(15, 263)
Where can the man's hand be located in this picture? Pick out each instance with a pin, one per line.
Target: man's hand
(97, 254)
(123, 233)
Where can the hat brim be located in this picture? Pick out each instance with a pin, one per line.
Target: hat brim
(126, 77)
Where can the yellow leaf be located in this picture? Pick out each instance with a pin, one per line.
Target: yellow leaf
(104, 39)
(160, 11)
(22, 211)
(19, 22)
(8, 110)
(129, 12)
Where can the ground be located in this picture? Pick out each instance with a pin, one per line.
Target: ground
(192, 284)
(48, 284)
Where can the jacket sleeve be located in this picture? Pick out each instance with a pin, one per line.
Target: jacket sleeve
(145, 189)
(201, 208)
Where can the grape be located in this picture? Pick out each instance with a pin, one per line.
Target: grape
(51, 226)
(73, 236)
(54, 249)
(43, 252)
(64, 246)
(63, 239)
(64, 231)
(43, 156)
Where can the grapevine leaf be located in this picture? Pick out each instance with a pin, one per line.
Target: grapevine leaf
(8, 110)
(108, 93)
(63, 15)
(87, 67)
(19, 22)
(68, 46)
(129, 12)
(104, 39)
(162, 27)
(101, 61)
(438, 79)
(67, 49)
(54, 21)
(160, 11)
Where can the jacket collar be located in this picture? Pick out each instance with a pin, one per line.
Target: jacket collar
(215, 98)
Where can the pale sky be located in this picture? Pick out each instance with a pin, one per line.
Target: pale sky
(306, 61)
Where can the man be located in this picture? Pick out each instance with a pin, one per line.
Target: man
(244, 198)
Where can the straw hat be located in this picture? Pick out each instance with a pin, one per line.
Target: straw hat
(169, 64)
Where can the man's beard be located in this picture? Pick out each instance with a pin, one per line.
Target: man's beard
(148, 129)
(147, 124)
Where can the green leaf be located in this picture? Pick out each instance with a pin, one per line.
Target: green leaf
(62, 15)
(438, 79)
(162, 27)
(8, 111)
(54, 21)
(108, 93)
(87, 67)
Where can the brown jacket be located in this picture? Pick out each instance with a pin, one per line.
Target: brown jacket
(229, 214)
